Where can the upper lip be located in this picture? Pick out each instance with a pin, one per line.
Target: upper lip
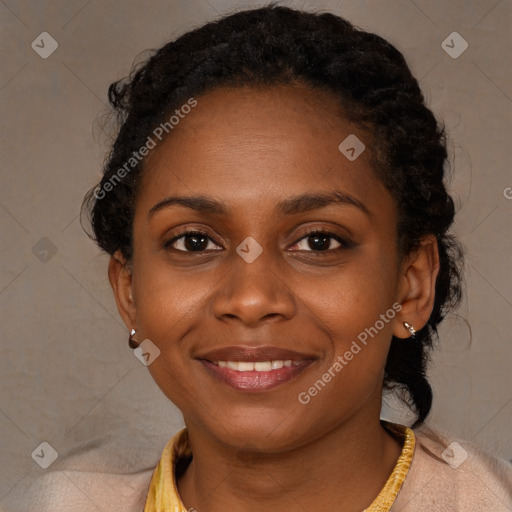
(253, 354)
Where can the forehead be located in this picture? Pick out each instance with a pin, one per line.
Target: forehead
(243, 143)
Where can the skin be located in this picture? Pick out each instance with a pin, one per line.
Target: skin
(249, 149)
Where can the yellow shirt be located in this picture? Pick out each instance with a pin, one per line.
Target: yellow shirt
(163, 493)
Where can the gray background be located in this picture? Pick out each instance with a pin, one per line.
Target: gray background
(68, 376)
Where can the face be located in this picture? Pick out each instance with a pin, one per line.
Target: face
(264, 271)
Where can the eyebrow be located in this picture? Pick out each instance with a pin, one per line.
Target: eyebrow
(290, 206)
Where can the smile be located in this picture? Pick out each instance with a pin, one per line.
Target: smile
(255, 376)
(255, 369)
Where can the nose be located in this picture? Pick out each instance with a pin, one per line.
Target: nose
(253, 293)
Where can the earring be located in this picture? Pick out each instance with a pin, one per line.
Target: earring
(132, 342)
(411, 329)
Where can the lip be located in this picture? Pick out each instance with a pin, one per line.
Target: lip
(253, 354)
(254, 381)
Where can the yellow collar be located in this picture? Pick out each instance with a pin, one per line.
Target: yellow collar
(163, 492)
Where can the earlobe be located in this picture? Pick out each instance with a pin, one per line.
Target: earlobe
(120, 277)
(418, 287)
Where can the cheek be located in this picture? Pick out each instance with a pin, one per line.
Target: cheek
(354, 310)
(168, 297)
(351, 299)
(169, 305)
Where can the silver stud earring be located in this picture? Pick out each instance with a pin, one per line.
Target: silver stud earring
(411, 329)
(132, 342)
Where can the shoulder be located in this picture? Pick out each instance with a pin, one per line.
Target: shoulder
(79, 491)
(89, 479)
(452, 475)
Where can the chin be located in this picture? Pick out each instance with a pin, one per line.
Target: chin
(270, 431)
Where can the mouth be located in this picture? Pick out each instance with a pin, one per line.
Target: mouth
(254, 368)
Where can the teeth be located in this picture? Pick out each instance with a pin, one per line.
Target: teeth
(245, 367)
(258, 366)
(263, 366)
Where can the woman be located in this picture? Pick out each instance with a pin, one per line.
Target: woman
(277, 221)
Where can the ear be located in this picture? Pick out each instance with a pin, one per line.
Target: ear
(417, 288)
(120, 277)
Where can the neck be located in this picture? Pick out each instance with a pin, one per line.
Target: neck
(344, 470)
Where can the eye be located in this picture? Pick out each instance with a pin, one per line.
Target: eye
(321, 241)
(190, 241)
(316, 241)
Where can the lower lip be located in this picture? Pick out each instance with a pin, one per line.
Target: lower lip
(252, 380)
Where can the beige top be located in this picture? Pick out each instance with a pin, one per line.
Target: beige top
(474, 482)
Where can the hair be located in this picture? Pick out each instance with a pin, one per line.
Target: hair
(277, 45)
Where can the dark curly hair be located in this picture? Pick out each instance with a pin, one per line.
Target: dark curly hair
(278, 45)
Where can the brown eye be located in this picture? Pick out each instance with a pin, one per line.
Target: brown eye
(321, 241)
(191, 241)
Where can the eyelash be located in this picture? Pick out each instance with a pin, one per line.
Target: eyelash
(345, 244)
